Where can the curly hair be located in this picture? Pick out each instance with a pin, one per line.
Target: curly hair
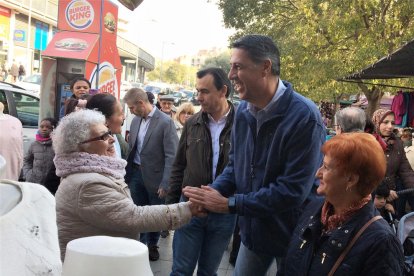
(75, 128)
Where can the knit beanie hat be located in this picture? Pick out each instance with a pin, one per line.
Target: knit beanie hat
(379, 116)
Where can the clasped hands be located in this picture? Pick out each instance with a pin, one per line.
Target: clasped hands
(206, 199)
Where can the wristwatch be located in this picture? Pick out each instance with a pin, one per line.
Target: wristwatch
(232, 205)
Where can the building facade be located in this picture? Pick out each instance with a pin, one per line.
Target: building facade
(26, 27)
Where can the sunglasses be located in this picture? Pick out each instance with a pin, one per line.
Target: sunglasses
(103, 137)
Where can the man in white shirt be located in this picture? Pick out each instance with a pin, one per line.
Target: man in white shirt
(203, 153)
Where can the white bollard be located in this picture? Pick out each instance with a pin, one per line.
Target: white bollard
(106, 256)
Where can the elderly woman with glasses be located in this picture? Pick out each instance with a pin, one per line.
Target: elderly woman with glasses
(341, 233)
(93, 198)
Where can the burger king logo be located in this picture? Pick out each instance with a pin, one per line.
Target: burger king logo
(79, 14)
(107, 82)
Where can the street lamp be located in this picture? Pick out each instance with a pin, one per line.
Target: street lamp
(162, 55)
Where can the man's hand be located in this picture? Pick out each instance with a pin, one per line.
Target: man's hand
(161, 193)
(208, 198)
(393, 196)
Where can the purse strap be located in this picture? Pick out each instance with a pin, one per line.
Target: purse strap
(349, 246)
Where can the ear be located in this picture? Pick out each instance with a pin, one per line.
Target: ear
(352, 180)
(267, 67)
(224, 90)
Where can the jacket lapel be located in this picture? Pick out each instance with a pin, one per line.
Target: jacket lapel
(134, 132)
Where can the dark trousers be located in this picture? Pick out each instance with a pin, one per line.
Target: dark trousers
(141, 197)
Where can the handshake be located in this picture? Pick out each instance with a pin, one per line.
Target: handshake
(204, 200)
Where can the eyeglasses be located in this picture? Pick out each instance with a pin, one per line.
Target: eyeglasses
(187, 113)
(103, 137)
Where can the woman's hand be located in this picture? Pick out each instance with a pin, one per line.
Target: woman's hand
(197, 210)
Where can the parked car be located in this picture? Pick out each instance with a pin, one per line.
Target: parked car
(137, 85)
(31, 83)
(25, 106)
(179, 98)
(194, 100)
(157, 89)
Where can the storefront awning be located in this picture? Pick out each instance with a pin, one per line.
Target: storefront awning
(73, 45)
(399, 64)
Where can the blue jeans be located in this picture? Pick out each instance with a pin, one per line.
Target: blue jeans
(250, 263)
(141, 197)
(203, 240)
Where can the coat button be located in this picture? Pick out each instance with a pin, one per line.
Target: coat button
(310, 224)
(333, 241)
(346, 231)
(311, 217)
(339, 244)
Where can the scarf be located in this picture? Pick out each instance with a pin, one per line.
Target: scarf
(82, 162)
(331, 221)
(40, 138)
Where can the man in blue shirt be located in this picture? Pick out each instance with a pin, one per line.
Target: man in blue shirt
(275, 152)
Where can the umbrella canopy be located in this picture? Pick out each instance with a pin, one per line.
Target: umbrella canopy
(399, 64)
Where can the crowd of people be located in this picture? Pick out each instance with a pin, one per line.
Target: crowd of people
(12, 74)
(263, 168)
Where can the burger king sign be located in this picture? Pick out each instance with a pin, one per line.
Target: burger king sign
(79, 14)
(107, 81)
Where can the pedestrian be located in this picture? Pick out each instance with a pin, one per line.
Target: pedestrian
(11, 144)
(167, 105)
(39, 158)
(79, 87)
(203, 153)
(399, 174)
(22, 72)
(93, 199)
(184, 112)
(14, 71)
(275, 152)
(153, 142)
(342, 233)
(112, 109)
(349, 119)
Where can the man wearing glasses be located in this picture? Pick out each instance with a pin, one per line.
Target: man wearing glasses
(153, 142)
(349, 119)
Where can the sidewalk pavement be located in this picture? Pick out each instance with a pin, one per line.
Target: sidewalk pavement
(162, 267)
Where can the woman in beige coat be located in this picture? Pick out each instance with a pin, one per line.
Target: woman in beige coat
(93, 198)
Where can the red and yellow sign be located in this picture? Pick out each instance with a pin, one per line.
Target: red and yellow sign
(107, 79)
(79, 14)
(4, 23)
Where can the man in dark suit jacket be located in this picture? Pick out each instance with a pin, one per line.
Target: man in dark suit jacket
(153, 142)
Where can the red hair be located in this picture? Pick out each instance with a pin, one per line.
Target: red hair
(360, 154)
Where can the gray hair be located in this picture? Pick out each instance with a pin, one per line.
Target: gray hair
(351, 119)
(74, 129)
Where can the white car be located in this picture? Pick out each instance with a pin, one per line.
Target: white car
(31, 83)
(25, 106)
